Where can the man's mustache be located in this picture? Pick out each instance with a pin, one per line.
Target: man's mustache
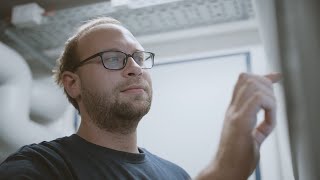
(134, 82)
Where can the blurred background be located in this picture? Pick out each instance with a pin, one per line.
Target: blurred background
(201, 47)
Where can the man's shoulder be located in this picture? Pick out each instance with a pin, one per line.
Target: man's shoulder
(34, 152)
(38, 152)
(35, 161)
(19, 166)
(157, 159)
(167, 166)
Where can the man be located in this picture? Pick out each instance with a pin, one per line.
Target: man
(104, 72)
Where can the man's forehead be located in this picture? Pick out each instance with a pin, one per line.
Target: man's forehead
(110, 35)
(107, 28)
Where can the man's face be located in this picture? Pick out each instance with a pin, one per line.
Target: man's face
(115, 100)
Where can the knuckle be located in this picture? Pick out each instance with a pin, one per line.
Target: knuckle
(236, 117)
(268, 82)
(257, 96)
(250, 82)
(251, 85)
(243, 76)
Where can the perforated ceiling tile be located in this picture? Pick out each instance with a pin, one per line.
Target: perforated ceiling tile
(143, 3)
(144, 17)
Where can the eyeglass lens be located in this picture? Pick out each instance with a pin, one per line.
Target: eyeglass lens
(117, 60)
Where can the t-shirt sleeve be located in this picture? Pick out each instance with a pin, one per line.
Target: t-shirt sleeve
(18, 167)
(35, 162)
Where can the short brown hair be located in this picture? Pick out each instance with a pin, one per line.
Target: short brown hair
(69, 57)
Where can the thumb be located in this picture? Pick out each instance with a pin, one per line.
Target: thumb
(264, 129)
(274, 77)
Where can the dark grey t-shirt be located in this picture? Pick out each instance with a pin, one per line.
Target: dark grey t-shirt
(74, 158)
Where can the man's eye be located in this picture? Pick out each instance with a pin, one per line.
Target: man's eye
(139, 58)
(113, 59)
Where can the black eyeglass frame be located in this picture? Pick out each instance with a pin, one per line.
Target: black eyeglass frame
(125, 60)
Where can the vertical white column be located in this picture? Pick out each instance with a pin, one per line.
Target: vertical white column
(296, 46)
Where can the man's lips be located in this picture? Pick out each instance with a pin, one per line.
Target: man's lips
(134, 89)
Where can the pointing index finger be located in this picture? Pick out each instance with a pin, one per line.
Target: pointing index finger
(274, 77)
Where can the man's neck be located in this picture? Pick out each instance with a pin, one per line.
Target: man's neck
(112, 140)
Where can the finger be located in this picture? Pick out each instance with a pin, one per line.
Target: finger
(257, 102)
(241, 79)
(266, 80)
(274, 77)
(255, 84)
(248, 92)
(264, 129)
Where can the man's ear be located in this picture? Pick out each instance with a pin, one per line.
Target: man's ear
(71, 83)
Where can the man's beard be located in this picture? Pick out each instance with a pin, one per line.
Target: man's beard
(110, 114)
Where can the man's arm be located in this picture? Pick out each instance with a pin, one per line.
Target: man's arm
(20, 167)
(239, 149)
(37, 161)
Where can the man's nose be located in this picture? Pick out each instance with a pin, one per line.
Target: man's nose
(132, 68)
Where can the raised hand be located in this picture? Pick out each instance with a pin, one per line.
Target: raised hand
(241, 138)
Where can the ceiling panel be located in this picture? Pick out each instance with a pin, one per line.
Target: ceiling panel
(141, 19)
(6, 5)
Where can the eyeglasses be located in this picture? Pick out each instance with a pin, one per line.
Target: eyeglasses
(116, 60)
